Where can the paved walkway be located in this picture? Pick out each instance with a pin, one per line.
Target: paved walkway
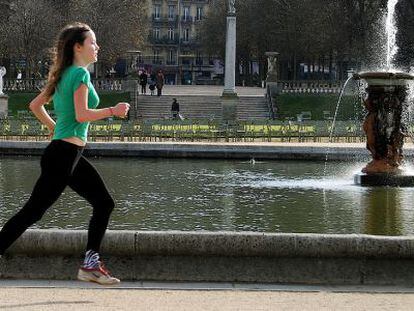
(70, 295)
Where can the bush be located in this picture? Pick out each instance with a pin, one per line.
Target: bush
(20, 101)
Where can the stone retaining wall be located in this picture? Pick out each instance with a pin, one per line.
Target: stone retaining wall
(269, 151)
(219, 257)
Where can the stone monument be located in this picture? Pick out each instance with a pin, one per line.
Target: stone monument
(271, 66)
(232, 7)
(271, 79)
(4, 99)
(229, 96)
(272, 89)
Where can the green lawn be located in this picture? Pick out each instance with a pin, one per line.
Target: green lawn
(291, 105)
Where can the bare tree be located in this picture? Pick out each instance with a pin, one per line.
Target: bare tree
(319, 33)
(119, 25)
(30, 30)
(5, 15)
(31, 27)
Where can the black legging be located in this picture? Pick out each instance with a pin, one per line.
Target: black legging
(143, 89)
(62, 165)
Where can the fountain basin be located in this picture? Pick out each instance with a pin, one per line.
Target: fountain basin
(195, 256)
(384, 179)
(384, 78)
(224, 195)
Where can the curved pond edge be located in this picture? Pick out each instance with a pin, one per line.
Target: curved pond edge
(256, 150)
(286, 258)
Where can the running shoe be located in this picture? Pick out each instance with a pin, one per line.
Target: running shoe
(98, 275)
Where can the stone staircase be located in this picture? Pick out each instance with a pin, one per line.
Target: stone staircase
(199, 107)
(252, 108)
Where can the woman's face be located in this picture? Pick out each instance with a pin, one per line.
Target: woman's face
(88, 52)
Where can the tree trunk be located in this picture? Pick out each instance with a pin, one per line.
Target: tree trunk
(330, 64)
(323, 67)
(294, 66)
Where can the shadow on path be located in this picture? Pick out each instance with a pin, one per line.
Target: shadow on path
(46, 303)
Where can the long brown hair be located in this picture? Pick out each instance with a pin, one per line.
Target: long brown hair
(63, 54)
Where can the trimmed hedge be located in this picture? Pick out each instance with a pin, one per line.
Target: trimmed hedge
(20, 101)
(288, 105)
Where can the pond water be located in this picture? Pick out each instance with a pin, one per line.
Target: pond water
(216, 195)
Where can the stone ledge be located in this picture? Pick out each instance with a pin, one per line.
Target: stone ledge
(221, 243)
(265, 151)
(220, 257)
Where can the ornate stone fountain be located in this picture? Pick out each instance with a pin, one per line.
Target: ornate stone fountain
(384, 128)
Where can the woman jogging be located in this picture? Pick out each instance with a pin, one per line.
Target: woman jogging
(62, 163)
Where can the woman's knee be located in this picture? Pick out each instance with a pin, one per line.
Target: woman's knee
(110, 203)
(105, 204)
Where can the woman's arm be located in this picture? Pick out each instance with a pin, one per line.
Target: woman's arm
(84, 114)
(38, 109)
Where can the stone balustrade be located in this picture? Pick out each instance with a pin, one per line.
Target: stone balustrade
(310, 87)
(285, 86)
(35, 85)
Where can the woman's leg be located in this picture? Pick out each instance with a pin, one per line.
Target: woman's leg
(56, 165)
(46, 191)
(87, 182)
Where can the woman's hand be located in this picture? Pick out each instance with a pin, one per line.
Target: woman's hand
(121, 110)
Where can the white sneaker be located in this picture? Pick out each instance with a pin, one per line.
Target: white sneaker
(98, 275)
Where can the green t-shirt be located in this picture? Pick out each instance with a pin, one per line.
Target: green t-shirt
(64, 105)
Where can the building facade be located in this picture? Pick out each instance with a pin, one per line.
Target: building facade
(173, 46)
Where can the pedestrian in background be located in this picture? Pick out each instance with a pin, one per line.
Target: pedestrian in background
(175, 109)
(160, 82)
(143, 81)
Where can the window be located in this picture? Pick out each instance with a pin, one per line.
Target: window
(186, 60)
(171, 11)
(157, 11)
(171, 57)
(156, 57)
(199, 13)
(199, 58)
(156, 33)
(186, 13)
(171, 33)
(186, 34)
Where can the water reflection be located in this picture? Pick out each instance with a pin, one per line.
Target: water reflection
(383, 211)
(228, 200)
(163, 194)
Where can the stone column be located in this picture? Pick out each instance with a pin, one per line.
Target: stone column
(229, 96)
(131, 86)
(230, 69)
(4, 104)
